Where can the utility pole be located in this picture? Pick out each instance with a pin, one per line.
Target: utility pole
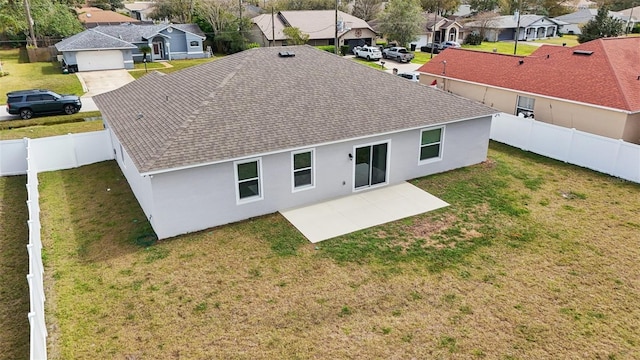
(433, 33)
(273, 29)
(336, 25)
(626, 29)
(515, 47)
(32, 34)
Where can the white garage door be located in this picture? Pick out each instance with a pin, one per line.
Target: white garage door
(99, 60)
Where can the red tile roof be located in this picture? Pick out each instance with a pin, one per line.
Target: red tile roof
(603, 72)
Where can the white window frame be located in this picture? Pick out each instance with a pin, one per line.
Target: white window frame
(387, 170)
(441, 144)
(260, 195)
(312, 168)
(526, 110)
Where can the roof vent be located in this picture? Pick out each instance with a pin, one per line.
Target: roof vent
(520, 62)
(286, 54)
(582, 52)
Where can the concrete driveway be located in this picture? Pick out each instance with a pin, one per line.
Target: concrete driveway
(98, 82)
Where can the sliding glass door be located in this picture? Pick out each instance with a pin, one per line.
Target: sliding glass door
(370, 165)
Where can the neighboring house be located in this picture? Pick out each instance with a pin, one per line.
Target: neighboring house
(593, 87)
(501, 28)
(118, 46)
(91, 17)
(275, 128)
(140, 10)
(320, 25)
(445, 30)
(576, 20)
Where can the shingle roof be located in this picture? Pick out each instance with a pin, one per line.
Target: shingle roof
(121, 36)
(256, 102)
(510, 22)
(92, 15)
(318, 24)
(608, 77)
(92, 39)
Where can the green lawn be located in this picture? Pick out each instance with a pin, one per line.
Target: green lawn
(175, 66)
(39, 127)
(503, 47)
(42, 75)
(533, 259)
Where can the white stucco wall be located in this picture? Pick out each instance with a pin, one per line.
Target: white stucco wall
(203, 197)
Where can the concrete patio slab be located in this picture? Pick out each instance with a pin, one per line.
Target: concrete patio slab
(361, 210)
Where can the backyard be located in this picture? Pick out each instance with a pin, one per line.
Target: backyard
(533, 259)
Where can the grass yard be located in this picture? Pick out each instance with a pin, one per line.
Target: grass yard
(14, 267)
(44, 126)
(569, 40)
(175, 66)
(534, 259)
(523, 48)
(42, 75)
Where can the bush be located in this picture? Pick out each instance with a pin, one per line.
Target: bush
(3, 73)
(381, 43)
(344, 50)
(252, 45)
(473, 39)
(327, 48)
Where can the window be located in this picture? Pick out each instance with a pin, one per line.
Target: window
(525, 106)
(431, 144)
(303, 174)
(193, 44)
(249, 185)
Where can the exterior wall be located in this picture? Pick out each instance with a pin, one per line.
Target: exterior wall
(632, 129)
(70, 57)
(199, 198)
(140, 186)
(591, 119)
(127, 56)
(358, 34)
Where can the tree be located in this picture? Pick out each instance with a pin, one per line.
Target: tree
(601, 26)
(295, 36)
(366, 9)
(480, 6)
(220, 14)
(179, 11)
(401, 20)
(442, 7)
(307, 5)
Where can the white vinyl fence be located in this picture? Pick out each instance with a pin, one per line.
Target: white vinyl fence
(31, 156)
(614, 157)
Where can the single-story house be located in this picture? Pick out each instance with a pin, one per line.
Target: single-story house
(445, 30)
(501, 28)
(320, 25)
(576, 20)
(593, 87)
(91, 17)
(275, 128)
(118, 46)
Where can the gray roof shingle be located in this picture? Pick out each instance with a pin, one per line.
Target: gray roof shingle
(92, 40)
(256, 102)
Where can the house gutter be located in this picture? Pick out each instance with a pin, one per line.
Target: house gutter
(156, 172)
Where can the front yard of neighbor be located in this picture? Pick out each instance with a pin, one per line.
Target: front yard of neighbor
(533, 259)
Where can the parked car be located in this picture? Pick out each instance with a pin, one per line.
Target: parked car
(367, 52)
(397, 53)
(415, 77)
(27, 103)
(448, 44)
(429, 47)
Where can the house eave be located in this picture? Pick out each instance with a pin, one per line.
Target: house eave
(193, 166)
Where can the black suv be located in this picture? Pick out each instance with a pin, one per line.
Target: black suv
(26, 103)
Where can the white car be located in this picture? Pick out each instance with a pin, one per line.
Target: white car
(415, 77)
(448, 44)
(367, 52)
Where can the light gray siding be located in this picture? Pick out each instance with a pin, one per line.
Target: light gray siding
(203, 197)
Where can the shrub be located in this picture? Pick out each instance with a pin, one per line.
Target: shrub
(344, 50)
(473, 39)
(327, 48)
(252, 45)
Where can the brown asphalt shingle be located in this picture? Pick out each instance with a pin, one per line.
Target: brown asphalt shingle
(256, 102)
